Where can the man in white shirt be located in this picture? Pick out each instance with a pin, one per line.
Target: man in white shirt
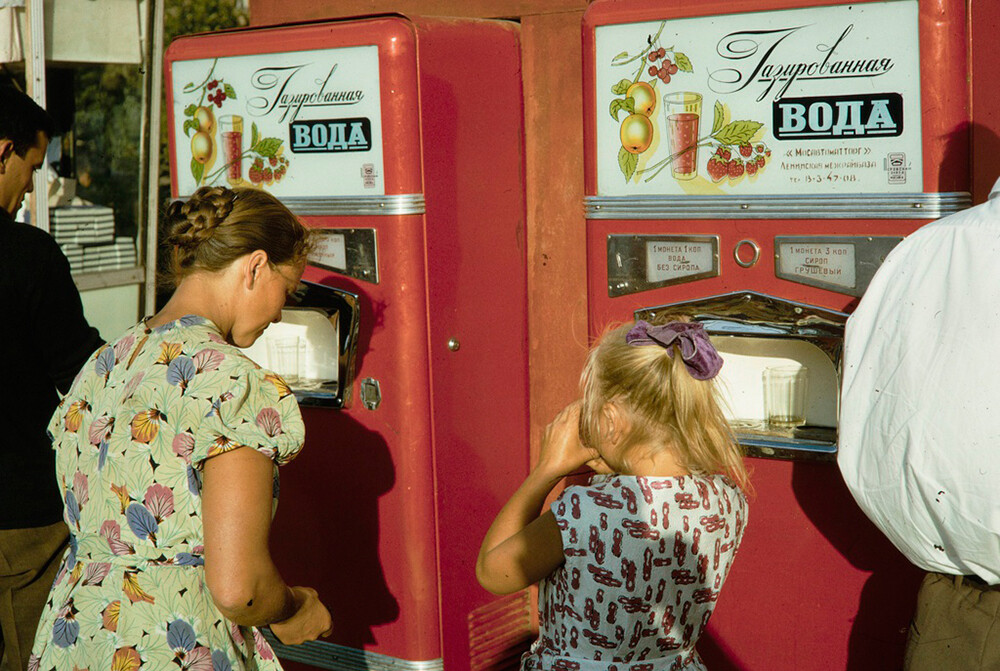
(919, 434)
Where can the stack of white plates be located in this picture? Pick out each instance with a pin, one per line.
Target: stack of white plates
(82, 225)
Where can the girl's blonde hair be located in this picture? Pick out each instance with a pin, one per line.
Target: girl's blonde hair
(666, 405)
(216, 226)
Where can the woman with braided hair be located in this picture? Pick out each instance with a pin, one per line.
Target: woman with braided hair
(167, 450)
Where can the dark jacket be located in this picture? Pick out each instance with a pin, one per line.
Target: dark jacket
(44, 340)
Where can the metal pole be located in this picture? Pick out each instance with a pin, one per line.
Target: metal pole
(34, 62)
(154, 79)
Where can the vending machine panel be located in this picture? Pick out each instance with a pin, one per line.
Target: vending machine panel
(399, 140)
(750, 165)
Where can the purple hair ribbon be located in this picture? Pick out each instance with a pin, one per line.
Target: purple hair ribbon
(699, 355)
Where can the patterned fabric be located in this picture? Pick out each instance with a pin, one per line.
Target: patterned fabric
(131, 438)
(645, 561)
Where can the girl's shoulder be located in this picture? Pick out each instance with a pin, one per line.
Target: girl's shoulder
(618, 490)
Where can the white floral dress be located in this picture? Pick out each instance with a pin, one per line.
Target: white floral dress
(645, 561)
(131, 438)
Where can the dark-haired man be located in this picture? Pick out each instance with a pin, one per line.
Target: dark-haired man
(43, 342)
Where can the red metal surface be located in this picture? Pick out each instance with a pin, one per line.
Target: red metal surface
(816, 586)
(392, 503)
(471, 121)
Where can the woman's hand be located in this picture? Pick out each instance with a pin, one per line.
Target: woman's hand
(310, 621)
(561, 450)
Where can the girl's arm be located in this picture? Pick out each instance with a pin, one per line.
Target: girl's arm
(239, 572)
(522, 546)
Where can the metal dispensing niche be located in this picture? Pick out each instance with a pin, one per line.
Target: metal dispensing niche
(781, 379)
(314, 346)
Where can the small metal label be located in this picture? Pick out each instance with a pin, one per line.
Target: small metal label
(643, 262)
(668, 260)
(831, 262)
(348, 251)
(845, 264)
(330, 250)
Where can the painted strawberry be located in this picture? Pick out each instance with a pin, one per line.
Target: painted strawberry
(751, 168)
(717, 168)
(760, 162)
(746, 149)
(735, 168)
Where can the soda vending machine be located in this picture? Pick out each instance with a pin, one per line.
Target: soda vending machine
(750, 164)
(399, 140)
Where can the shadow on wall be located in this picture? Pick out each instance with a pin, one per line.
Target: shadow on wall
(328, 512)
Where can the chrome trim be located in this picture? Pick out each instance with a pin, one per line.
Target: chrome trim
(628, 270)
(342, 658)
(870, 252)
(776, 449)
(343, 309)
(360, 251)
(404, 203)
(753, 259)
(847, 206)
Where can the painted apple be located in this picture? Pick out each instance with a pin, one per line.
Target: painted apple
(205, 119)
(201, 146)
(644, 97)
(636, 133)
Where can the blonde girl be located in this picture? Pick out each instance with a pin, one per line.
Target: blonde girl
(630, 565)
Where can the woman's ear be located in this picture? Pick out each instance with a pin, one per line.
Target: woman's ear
(254, 266)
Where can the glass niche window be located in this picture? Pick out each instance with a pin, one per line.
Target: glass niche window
(94, 181)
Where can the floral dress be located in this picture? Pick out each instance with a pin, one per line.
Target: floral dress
(131, 438)
(645, 561)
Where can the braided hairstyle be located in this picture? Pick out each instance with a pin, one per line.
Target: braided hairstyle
(216, 226)
(665, 404)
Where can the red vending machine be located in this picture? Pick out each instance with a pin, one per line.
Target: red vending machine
(399, 139)
(750, 164)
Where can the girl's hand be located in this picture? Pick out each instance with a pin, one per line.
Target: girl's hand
(310, 621)
(561, 451)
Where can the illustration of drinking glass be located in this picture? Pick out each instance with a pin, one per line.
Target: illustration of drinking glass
(683, 110)
(785, 396)
(231, 127)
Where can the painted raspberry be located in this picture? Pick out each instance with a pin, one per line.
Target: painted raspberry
(717, 169)
(746, 150)
(735, 168)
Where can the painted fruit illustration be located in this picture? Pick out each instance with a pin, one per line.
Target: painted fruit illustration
(638, 95)
(636, 133)
(201, 146)
(644, 97)
(205, 118)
